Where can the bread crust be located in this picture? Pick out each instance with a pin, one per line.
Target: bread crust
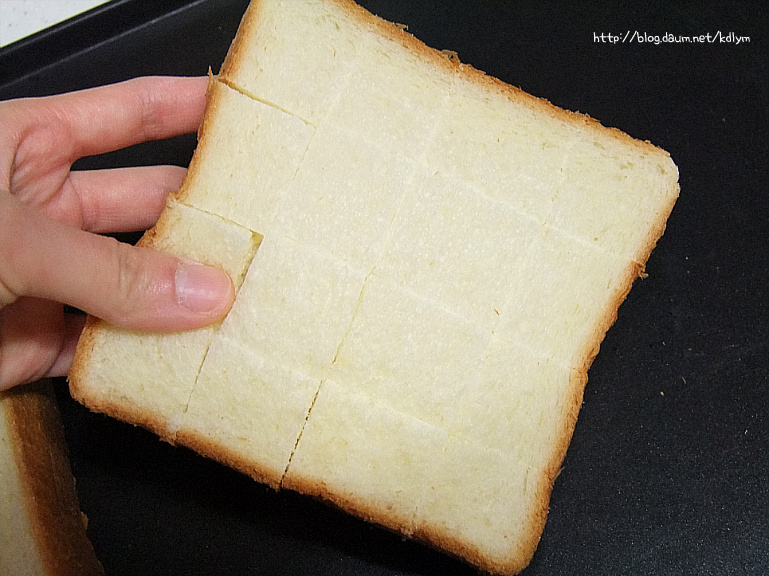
(212, 102)
(210, 449)
(78, 386)
(39, 447)
(449, 62)
(521, 554)
(348, 503)
(78, 370)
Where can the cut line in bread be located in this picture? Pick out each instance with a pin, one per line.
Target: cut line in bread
(439, 256)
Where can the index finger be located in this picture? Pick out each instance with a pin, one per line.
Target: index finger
(111, 117)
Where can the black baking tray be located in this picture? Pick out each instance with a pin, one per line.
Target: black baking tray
(668, 471)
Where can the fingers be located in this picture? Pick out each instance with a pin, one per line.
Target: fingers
(45, 259)
(119, 200)
(108, 118)
(31, 336)
(133, 287)
(73, 327)
(36, 341)
(150, 108)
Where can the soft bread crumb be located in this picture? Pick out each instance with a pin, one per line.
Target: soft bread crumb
(440, 257)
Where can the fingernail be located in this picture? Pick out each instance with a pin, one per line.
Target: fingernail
(201, 288)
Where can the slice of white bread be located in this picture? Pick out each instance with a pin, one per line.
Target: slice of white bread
(427, 260)
(42, 531)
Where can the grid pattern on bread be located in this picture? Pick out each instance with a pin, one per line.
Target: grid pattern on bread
(426, 260)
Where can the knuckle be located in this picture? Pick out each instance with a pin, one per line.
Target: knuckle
(6, 295)
(152, 116)
(13, 276)
(130, 279)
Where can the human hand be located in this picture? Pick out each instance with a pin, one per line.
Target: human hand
(50, 252)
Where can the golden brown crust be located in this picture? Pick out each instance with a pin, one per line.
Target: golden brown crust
(449, 61)
(244, 33)
(425, 534)
(573, 401)
(658, 228)
(40, 452)
(79, 387)
(522, 551)
(78, 371)
(212, 102)
(579, 377)
(514, 563)
(210, 449)
(348, 503)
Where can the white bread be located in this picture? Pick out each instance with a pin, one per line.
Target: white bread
(42, 532)
(427, 260)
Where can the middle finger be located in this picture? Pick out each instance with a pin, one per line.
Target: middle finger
(114, 200)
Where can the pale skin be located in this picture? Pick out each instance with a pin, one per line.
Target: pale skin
(51, 250)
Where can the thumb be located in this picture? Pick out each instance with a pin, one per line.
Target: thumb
(133, 287)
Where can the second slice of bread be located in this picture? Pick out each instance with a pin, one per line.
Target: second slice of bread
(427, 260)
(42, 531)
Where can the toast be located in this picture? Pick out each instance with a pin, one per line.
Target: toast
(42, 531)
(426, 261)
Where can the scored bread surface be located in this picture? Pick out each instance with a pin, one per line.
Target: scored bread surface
(426, 261)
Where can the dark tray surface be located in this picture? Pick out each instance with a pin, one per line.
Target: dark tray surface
(668, 470)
